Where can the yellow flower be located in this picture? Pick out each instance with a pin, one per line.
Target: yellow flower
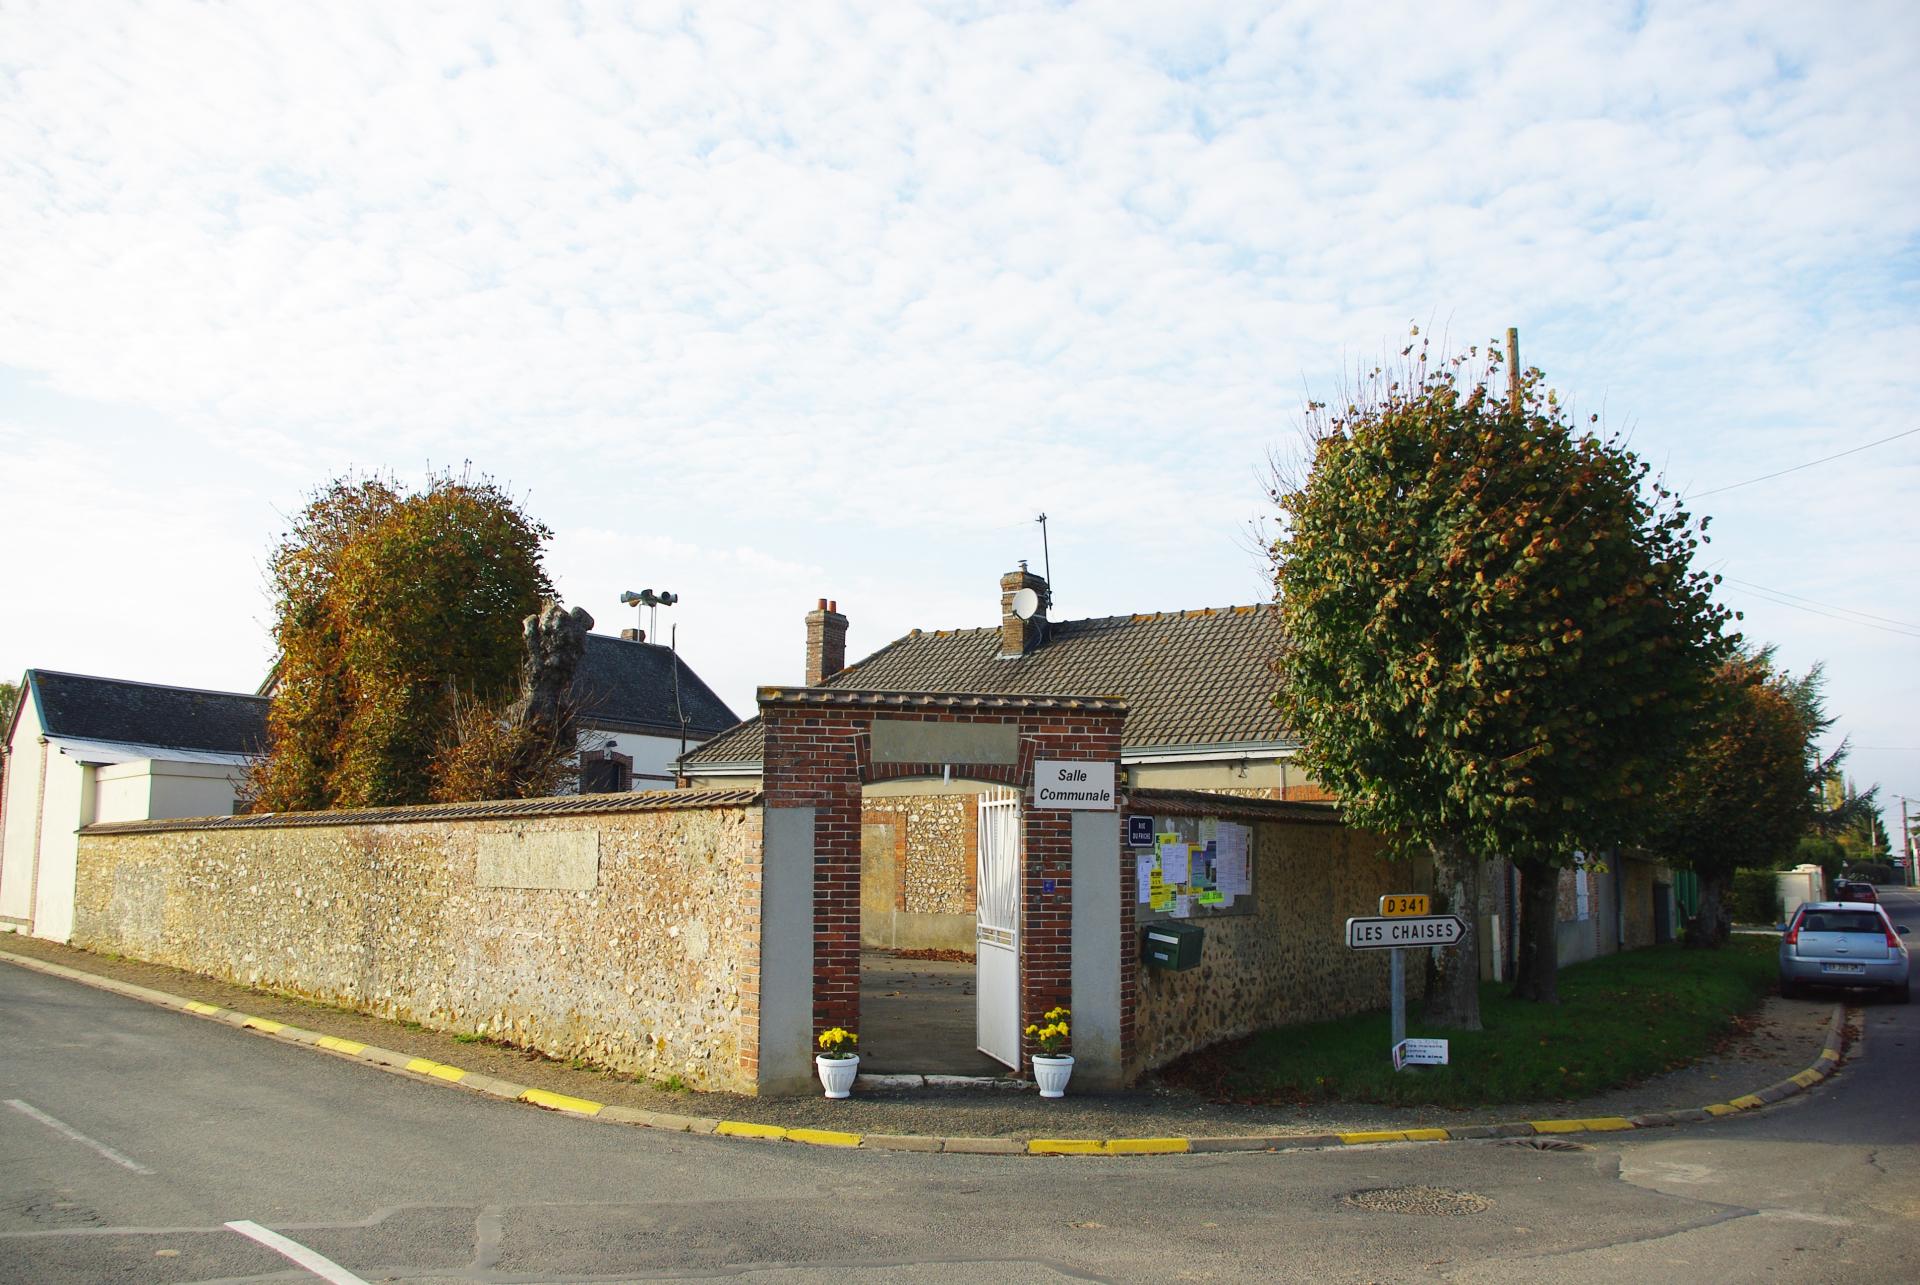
(838, 1042)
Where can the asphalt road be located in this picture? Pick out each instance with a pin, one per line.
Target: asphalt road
(132, 1137)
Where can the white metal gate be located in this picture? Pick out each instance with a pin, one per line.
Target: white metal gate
(997, 936)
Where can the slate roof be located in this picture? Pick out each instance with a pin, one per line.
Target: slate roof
(1190, 678)
(82, 707)
(626, 686)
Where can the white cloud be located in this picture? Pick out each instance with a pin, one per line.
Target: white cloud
(864, 287)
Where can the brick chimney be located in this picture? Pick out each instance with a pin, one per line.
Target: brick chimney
(826, 642)
(1017, 636)
(634, 635)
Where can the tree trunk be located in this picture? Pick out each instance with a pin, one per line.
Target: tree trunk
(1453, 993)
(1536, 973)
(1709, 928)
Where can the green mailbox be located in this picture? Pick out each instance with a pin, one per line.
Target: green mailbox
(1172, 945)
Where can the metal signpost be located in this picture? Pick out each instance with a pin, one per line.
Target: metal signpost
(1403, 924)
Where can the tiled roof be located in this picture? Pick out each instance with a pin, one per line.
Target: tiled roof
(493, 810)
(841, 697)
(1190, 678)
(1204, 803)
(113, 709)
(628, 686)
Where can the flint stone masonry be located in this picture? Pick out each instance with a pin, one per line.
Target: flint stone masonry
(917, 856)
(652, 969)
(563, 860)
(1287, 962)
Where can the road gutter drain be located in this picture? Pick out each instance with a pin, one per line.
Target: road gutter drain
(1432, 1202)
(1548, 1144)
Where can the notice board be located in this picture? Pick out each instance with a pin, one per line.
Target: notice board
(1194, 868)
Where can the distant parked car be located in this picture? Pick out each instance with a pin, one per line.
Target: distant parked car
(1856, 890)
(1844, 943)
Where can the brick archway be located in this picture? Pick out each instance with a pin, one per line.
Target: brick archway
(824, 744)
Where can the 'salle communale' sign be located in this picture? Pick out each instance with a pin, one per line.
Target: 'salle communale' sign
(1073, 785)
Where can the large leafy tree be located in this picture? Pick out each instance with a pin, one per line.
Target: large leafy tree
(1749, 788)
(390, 609)
(1495, 638)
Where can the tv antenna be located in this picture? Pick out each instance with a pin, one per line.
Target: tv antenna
(1046, 554)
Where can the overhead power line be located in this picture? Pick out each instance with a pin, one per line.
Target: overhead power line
(1778, 599)
(1766, 477)
(1865, 615)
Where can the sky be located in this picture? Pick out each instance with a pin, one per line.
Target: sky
(766, 303)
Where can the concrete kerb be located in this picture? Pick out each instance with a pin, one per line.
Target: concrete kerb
(427, 1069)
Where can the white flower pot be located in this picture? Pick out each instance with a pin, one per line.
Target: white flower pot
(837, 1073)
(1052, 1074)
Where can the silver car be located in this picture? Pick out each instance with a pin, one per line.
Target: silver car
(1843, 943)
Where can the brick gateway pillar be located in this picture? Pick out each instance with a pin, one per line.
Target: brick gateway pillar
(822, 746)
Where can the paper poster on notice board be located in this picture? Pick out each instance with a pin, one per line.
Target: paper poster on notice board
(1175, 863)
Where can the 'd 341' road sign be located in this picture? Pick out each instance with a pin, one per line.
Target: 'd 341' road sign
(1401, 932)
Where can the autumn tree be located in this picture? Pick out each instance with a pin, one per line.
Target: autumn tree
(1494, 637)
(390, 609)
(1749, 787)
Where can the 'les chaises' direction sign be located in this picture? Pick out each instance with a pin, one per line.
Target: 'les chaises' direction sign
(1383, 933)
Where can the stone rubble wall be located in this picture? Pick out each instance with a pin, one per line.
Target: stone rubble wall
(937, 835)
(1287, 962)
(651, 969)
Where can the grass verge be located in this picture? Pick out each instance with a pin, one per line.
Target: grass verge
(1620, 1019)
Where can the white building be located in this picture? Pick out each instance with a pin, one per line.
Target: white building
(641, 707)
(83, 749)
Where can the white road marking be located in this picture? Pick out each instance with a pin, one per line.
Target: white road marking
(320, 1265)
(68, 1131)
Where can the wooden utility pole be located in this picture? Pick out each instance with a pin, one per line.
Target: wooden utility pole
(1513, 369)
(1906, 844)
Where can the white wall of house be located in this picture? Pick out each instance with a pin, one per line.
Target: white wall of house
(50, 794)
(22, 816)
(64, 808)
(161, 789)
(652, 756)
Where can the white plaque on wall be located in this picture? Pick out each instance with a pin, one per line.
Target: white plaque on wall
(1073, 785)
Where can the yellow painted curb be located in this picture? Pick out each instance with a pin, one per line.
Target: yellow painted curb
(1066, 1147)
(1596, 1124)
(1147, 1146)
(1806, 1079)
(560, 1101)
(744, 1129)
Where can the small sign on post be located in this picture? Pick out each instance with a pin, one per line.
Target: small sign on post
(1419, 1053)
(1406, 903)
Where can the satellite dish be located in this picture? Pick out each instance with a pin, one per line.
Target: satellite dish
(1025, 603)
